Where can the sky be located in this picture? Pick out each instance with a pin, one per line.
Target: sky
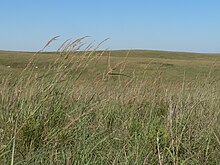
(173, 25)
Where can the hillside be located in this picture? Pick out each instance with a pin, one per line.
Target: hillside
(94, 108)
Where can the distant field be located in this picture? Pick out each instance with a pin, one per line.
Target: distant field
(173, 65)
(113, 107)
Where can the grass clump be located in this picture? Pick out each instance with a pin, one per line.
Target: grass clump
(56, 115)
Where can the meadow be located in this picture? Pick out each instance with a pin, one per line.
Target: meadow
(109, 107)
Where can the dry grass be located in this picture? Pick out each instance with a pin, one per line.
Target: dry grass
(68, 114)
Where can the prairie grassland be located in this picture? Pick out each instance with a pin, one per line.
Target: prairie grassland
(93, 107)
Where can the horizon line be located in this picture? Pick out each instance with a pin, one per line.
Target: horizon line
(156, 50)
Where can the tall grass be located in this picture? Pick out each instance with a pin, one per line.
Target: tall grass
(56, 117)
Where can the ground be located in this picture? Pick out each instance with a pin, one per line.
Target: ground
(112, 107)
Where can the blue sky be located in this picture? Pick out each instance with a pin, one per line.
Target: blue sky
(186, 25)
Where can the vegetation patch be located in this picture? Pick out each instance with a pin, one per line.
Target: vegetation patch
(92, 108)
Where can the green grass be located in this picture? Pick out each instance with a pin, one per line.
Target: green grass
(172, 64)
(151, 107)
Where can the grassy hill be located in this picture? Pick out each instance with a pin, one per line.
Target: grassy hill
(172, 64)
(113, 107)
